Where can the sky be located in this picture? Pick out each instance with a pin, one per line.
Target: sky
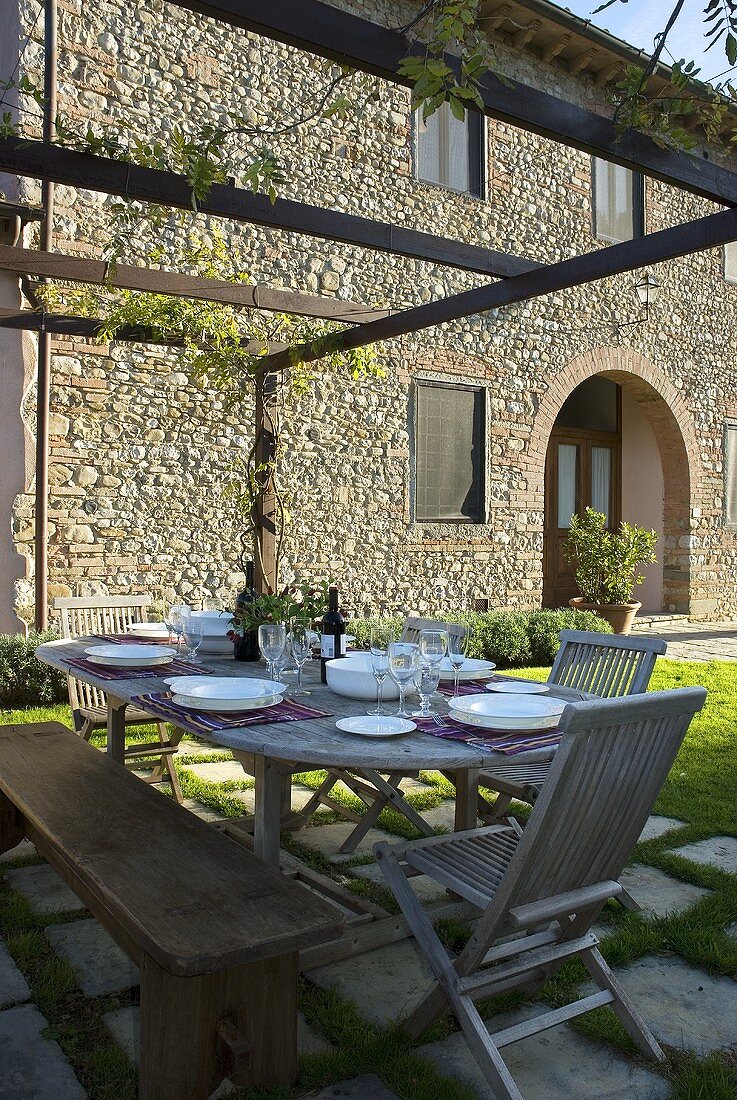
(638, 21)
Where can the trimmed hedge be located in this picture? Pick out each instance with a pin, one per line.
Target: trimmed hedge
(512, 639)
(24, 681)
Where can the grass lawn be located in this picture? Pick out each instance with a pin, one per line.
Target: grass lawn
(701, 791)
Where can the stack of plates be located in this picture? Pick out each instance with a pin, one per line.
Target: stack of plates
(149, 630)
(471, 669)
(507, 712)
(131, 656)
(225, 693)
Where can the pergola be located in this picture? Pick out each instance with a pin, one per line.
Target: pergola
(338, 36)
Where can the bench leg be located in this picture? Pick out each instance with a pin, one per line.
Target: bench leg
(11, 825)
(181, 1054)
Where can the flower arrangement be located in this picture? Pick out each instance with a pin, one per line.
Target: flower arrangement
(309, 600)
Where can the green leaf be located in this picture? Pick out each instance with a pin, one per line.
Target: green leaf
(730, 48)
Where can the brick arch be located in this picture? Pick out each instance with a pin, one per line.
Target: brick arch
(672, 424)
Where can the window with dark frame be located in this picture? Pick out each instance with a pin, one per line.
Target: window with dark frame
(730, 474)
(449, 453)
(729, 257)
(618, 201)
(449, 152)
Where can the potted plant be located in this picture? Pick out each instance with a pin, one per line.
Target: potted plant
(310, 600)
(606, 564)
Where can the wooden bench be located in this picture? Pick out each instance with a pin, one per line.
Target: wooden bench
(215, 932)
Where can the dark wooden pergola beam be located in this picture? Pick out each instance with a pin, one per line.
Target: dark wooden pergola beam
(113, 177)
(57, 265)
(667, 244)
(89, 328)
(347, 39)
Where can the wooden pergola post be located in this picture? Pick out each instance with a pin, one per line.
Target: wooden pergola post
(265, 504)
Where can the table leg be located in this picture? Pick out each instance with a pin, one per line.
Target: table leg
(116, 729)
(269, 787)
(467, 782)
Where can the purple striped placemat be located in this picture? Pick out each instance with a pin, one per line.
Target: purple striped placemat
(466, 687)
(134, 639)
(161, 704)
(509, 742)
(110, 672)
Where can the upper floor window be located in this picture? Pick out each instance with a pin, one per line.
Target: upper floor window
(619, 202)
(449, 453)
(450, 152)
(730, 262)
(730, 474)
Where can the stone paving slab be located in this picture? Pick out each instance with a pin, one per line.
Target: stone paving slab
(99, 965)
(659, 893)
(43, 889)
(221, 771)
(206, 813)
(189, 747)
(124, 1027)
(656, 825)
(683, 1005)
(556, 1063)
(366, 1087)
(426, 889)
(731, 930)
(327, 839)
(384, 984)
(13, 986)
(31, 1067)
(21, 851)
(717, 851)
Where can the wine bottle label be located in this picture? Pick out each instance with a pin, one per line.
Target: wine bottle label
(342, 645)
(327, 646)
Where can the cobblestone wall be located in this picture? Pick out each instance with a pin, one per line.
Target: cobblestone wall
(140, 453)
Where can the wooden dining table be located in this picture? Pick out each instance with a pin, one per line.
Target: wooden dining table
(273, 752)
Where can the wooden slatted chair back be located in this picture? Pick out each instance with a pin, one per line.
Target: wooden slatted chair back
(85, 615)
(414, 625)
(607, 665)
(605, 778)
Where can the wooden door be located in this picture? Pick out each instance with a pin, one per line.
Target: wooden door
(583, 469)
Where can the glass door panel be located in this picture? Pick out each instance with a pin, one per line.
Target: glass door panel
(601, 480)
(568, 463)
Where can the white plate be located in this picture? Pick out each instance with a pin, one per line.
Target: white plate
(471, 669)
(150, 662)
(369, 725)
(222, 689)
(507, 712)
(226, 704)
(149, 630)
(517, 687)
(133, 655)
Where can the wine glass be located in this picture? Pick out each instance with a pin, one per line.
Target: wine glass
(272, 638)
(175, 621)
(192, 630)
(427, 678)
(300, 637)
(456, 656)
(433, 645)
(380, 637)
(403, 661)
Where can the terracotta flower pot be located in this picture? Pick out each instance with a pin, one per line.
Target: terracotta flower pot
(620, 615)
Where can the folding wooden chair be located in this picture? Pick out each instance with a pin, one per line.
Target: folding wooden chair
(85, 615)
(376, 790)
(599, 664)
(541, 889)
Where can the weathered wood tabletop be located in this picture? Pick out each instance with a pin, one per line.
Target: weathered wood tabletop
(315, 742)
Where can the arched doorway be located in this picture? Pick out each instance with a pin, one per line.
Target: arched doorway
(650, 473)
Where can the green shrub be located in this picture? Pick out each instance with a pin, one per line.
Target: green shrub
(511, 639)
(25, 681)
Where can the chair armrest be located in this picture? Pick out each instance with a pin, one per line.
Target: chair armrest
(524, 916)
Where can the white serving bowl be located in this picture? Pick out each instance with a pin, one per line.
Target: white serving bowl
(354, 678)
(215, 624)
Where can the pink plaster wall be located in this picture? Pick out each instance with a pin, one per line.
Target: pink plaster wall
(642, 492)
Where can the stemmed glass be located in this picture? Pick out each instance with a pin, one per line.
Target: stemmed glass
(433, 645)
(379, 663)
(272, 638)
(300, 638)
(175, 621)
(456, 656)
(192, 629)
(427, 678)
(403, 660)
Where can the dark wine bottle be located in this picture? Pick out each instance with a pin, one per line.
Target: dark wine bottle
(333, 633)
(246, 648)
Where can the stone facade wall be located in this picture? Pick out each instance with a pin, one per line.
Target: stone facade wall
(140, 454)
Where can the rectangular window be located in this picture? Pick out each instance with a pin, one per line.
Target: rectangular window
(730, 474)
(450, 152)
(619, 202)
(730, 262)
(449, 453)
